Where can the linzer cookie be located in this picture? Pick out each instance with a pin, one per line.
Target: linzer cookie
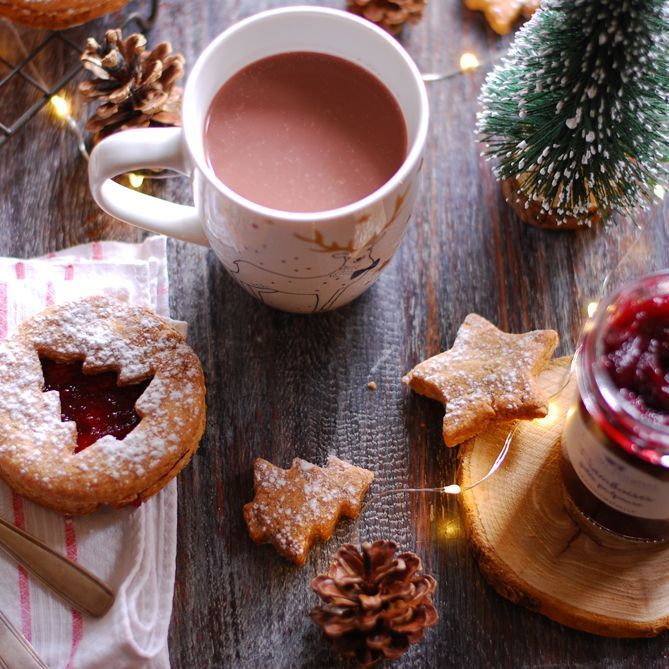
(57, 14)
(103, 403)
(294, 507)
(488, 375)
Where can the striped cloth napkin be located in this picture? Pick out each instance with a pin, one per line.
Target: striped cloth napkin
(132, 550)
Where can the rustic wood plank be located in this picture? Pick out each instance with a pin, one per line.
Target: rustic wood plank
(282, 385)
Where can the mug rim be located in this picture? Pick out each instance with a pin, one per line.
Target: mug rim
(413, 154)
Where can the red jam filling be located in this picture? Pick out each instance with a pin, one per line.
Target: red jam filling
(95, 402)
(636, 356)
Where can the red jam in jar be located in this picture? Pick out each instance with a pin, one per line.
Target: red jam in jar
(615, 443)
(636, 355)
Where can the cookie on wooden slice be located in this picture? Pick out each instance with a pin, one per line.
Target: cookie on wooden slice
(487, 376)
(294, 507)
(533, 553)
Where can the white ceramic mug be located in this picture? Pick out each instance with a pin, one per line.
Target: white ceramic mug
(301, 262)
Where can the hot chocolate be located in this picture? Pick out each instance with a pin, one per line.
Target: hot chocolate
(304, 132)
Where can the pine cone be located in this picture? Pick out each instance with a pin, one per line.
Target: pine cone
(376, 604)
(391, 15)
(135, 86)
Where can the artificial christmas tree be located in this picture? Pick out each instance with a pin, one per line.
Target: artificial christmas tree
(578, 112)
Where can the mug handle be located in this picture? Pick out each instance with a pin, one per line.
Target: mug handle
(137, 149)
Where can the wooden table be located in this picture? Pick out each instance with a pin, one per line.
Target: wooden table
(281, 386)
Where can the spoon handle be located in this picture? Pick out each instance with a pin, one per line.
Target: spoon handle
(15, 651)
(66, 578)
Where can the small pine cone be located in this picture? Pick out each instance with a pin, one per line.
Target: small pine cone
(376, 603)
(135, 86)
(391, 15)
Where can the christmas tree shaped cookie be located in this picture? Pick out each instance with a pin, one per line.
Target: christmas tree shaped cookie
(294, 507)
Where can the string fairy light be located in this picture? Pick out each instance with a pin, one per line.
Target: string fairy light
(60, 106)
(136, 180)
(451, 529)
(456, 489)
(469, 61)
(551, 416)
(62, 109)
(659, 191)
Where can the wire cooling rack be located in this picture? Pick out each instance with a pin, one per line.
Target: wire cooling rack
(21, 80)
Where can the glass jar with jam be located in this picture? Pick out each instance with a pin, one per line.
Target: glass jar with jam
(615, 443)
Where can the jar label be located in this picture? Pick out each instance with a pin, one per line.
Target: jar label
(610, 478)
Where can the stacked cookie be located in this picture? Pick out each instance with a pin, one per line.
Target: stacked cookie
(57, 14)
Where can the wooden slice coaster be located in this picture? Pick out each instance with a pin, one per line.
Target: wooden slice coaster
(533, 553)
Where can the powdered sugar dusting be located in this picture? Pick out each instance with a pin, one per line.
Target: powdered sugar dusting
(37, 449)
(488, 374)
(292, 507)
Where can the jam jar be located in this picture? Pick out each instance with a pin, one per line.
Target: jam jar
(615, 443)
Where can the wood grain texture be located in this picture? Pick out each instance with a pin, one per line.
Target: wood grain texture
(282, 386)
(532, 551)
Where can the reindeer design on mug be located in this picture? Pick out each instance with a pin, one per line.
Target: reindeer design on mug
(322, 292)
(263, 283)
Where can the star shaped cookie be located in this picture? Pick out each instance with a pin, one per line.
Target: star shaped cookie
(488, 375)
(294, 507)
(501, 14)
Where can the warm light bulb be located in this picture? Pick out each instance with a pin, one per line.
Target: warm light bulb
(659, 191)
(60, 106)
(592, 307)
(136, 180)
(453, 489)
(451, 529)
(468, 61)
(551, 417)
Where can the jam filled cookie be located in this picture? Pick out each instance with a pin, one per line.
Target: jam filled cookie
(103, 403)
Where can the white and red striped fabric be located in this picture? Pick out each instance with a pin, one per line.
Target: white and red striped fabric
(133, 550)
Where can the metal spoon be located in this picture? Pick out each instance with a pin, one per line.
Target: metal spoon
(66, 578)
(15, 651)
